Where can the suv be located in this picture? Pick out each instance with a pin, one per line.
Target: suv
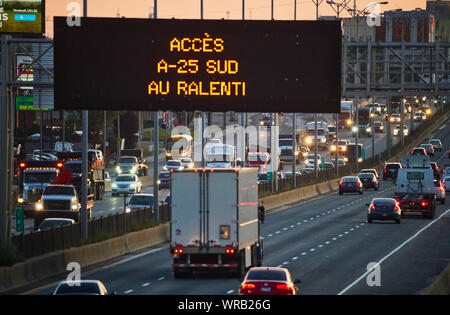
(429, 148)
(437, 144)
(419, 151)
(391, 170)
(370, 170)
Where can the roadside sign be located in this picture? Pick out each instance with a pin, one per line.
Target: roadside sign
(363, 154)
(322, 162)
(207, 65)
(20, 219)
(269, 172)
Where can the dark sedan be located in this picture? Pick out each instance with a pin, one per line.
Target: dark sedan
(383, 209)
(369, 181)
(164, 180)
(350, 184)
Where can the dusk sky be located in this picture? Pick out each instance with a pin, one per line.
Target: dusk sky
(213, 9)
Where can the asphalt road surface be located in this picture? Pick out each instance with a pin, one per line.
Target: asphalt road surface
(325, 242)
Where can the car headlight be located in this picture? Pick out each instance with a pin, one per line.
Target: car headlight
(368, 129)
(296, 153)
(333, 148)
(323, 140)
(345, 159)
(132, 186)
(39, 206)
(360, 160)
(158, 182)
(349, 122)
(308, 140)
(127, 210)
(305, 154)
(344, 148)
(20, 200)
(355, 129)
(114, 185)
(118, 169)
(133, 170)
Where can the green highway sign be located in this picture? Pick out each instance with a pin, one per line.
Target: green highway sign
(20, 219)
(26, 103)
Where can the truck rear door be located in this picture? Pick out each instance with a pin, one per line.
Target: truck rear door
(185, 194)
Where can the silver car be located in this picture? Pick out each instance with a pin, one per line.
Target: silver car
(81, 287)
(439, 191)
(138, 202)
(175, 165)
(126, 184)
(437, 144)
(187, 162)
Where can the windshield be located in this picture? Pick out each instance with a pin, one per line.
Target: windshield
(141, 200)
(52, 223)
(350, 179)
(36, 177)
(59, 190)
(164, 175)
(125, 178)
(219, 158)
(82, 288)
(311, 156)
(267, 275)
(285, 142)
(127, 160)
(320, 132)
(186, 160)
(173, 163)
(258, 157)
(262, 176)
(366, 175)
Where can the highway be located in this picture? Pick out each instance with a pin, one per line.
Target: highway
(325, 242)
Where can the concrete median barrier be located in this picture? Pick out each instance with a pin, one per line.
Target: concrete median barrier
(53, 264)
(299, 194)
(441, 285)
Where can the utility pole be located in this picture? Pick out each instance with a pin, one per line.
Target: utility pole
(84, 167)
(6, 128)
(155, 147)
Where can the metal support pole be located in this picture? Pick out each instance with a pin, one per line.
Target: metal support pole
(84, 167)
(315, 147)
(388, 135)
(104, 135)
(357, 132)
(336, 118)
(155, 151)
(4, 142)
(373, 132)
(294, 150)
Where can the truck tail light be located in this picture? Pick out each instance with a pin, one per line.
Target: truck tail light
(372, 207)
(441, 188)
(385, 169)
(358, 184)
(178, 251)
(229, 251)
(424, 203)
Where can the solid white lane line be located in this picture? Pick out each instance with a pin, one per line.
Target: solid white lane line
(393, 252)
(146, 284)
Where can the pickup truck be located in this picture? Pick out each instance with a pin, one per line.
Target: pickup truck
(60, 201)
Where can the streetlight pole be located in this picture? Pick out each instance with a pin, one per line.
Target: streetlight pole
(155, 147)
(84, 169)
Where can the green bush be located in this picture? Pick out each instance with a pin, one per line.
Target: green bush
(8, 255)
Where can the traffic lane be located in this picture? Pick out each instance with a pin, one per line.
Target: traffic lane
(112, 205)
(339, 247)
(414, 265)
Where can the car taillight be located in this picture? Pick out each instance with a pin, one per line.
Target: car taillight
(284, 287)
(385, 169)
(373, 180)
(341, 183)
(248, 286)
(424, 203)
(372, 207)
(358, 184)
(441, 188)
(396, 208)
(229, 251)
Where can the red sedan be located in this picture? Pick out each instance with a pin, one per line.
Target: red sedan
(269, 281)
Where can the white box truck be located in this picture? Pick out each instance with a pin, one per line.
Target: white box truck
(214, 223)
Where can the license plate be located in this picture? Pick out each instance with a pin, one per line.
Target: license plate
(263, 289)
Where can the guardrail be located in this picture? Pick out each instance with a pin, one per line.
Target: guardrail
(41, 242)
(302, 180)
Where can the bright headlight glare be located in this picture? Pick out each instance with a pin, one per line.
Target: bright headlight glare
(39, 206)
(114, 185)
(158, 182)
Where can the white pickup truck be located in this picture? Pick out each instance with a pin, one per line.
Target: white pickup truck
(60, 201)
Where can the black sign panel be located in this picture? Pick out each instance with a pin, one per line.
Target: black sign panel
(207, 65)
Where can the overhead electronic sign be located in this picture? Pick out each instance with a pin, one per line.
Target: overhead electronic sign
(22, 16)
(207, 65)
